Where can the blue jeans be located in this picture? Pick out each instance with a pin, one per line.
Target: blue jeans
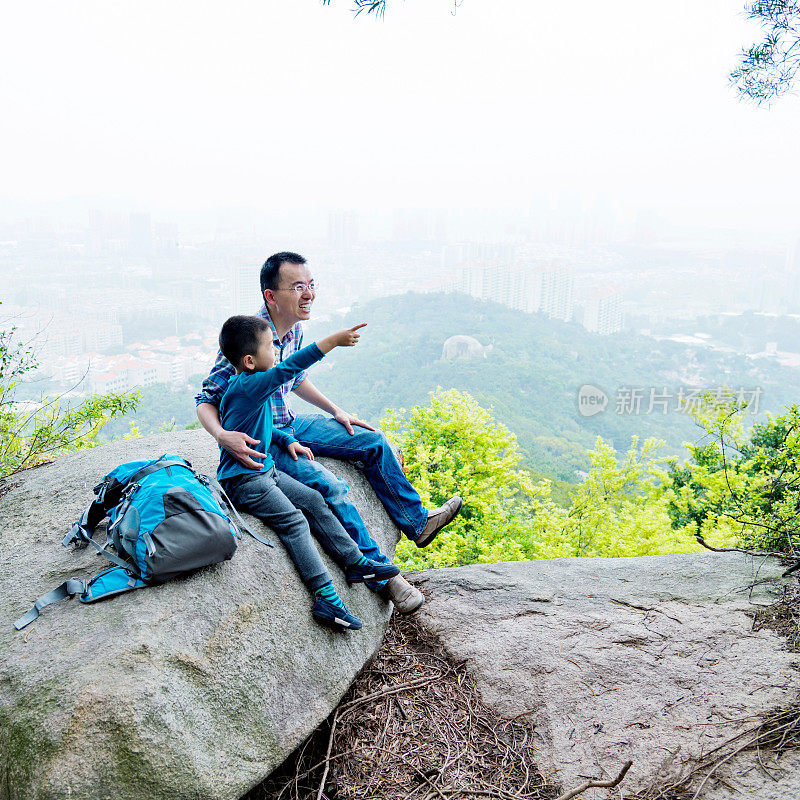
(367, 449)
(280, 501)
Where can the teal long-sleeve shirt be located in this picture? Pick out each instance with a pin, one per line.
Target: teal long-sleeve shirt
(246, 407)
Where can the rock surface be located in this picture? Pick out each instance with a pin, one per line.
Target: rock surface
(197, 688)
(649, 659)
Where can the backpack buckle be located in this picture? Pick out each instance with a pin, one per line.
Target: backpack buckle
(78, 534)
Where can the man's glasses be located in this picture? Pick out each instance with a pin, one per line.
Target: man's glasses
(300, 288)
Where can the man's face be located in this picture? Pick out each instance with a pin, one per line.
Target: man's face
(293, 297)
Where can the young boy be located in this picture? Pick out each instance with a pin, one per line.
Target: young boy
(274, 497)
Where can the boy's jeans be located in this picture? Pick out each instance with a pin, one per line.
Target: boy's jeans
(370, 450)
(279, 500)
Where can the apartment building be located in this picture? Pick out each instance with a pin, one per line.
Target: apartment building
(547, 289)
(603, 312)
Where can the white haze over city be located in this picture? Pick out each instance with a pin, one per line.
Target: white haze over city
(293, 108)
(584, 160)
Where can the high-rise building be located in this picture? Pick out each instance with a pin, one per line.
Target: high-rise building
(419, 225)
(461, 253)
(342, 229)
(141, 235)
(547, 289)
(603, 312)
(550, 290)
(245, 294)
(770, 291)
(793, 276)
(165, 236)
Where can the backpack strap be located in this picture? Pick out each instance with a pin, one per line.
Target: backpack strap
(216, 486)
(67, 589)
(81, 533)
(151, 468)
(109, 582)
(116, 560)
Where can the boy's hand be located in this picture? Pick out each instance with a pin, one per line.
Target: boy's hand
(295, 449)
(346, 338)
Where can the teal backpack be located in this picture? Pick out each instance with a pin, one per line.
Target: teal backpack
(164, 520)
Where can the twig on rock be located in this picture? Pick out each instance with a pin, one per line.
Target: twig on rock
(767, 553)
(596, 784)
(328, 755)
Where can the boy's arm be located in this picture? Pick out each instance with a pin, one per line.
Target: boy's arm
(260, 385)
(281, 438)
(305, 389)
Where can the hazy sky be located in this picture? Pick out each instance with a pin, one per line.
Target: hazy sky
(290, 104)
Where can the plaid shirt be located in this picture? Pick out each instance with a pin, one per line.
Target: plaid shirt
(216, 383)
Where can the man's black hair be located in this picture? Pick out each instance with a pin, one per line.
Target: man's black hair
(270, 272)
(239, 337)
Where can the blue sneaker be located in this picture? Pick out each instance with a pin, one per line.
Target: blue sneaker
(334, 616)
(356, 573)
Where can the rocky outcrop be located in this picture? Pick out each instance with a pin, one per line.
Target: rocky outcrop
(461, 346)
(194, 689)
(199, 688)
(649, 659)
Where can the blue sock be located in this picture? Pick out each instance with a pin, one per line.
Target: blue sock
(362, 560)
(328, 593)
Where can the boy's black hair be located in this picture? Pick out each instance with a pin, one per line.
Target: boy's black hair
(239, 337)
(270, 272)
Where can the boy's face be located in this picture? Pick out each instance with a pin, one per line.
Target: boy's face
(264, 357)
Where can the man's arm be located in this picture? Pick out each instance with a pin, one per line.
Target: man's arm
(238, 444)
(306, 390)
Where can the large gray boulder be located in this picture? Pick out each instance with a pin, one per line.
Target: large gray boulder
(197, 688)
(649, 659)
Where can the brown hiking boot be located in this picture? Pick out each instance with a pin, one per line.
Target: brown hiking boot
(406, 598)
(437, 519)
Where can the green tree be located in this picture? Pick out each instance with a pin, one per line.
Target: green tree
(743, 486)
(454, 446)
(767, 69)
(35, 432)
(621, 508)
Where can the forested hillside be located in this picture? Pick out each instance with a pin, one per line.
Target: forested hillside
(532, 374)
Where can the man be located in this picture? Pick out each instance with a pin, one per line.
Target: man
(288, 291)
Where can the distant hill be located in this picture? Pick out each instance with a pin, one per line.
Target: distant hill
(532, 374)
